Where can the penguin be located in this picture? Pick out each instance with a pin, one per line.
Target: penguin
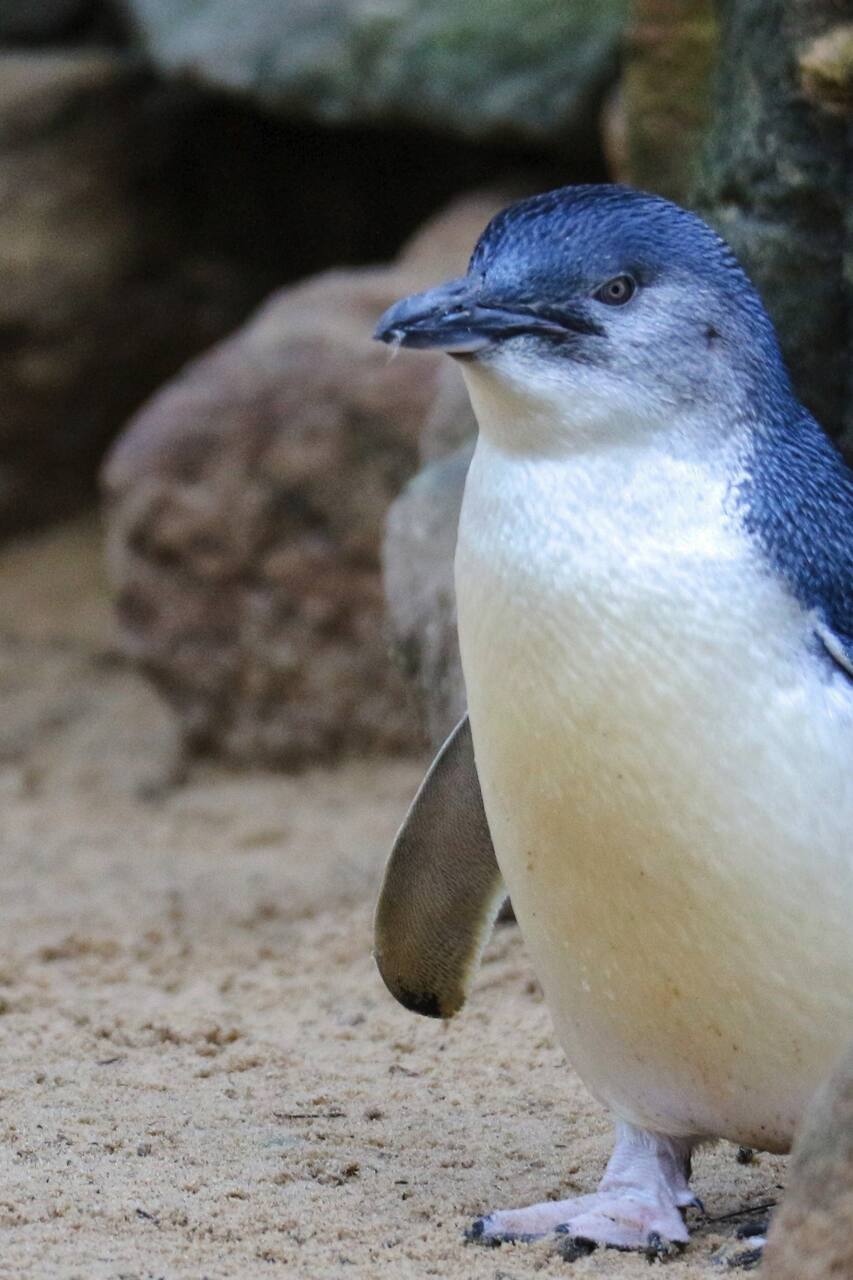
(654, 577)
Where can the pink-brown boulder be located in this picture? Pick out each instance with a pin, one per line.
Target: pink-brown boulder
(245, 506)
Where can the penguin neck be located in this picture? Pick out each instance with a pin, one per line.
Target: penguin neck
(551, 421)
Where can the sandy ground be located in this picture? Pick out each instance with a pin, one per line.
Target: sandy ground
(202, 1075)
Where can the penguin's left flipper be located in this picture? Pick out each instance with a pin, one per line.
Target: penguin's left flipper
(442, 888)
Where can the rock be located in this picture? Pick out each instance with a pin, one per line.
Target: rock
(760, 149)
(775, 181)
(826, 69)
(450, 422)
(67, 240)
(419, 542)
(527, 71)
(419, 546)
(31, 21)
(100, 302)
(614, 136)
(417, 559)
(811, 1237)
(245, 506)
(449, 236)
(665, 94)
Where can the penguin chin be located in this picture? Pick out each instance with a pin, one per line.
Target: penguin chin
(529, 400)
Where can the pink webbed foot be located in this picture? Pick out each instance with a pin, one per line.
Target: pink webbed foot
(637, 1205)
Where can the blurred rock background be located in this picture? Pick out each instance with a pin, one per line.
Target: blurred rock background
(204, 207)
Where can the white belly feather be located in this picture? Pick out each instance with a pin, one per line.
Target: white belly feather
(668, 776)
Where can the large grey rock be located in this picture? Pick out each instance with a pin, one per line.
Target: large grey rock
(775, 183)
(450, 422)
(245, 507)
(508, 70)
(418, 551)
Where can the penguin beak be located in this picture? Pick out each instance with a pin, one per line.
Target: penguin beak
(458, 318)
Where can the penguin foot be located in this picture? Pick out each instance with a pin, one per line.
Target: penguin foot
(637, 1206)
(622, 1221)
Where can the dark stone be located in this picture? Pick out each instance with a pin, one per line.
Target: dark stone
(775, 184)
(102, 295)
(33, 21)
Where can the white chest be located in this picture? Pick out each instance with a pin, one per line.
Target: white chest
(620, 580)
(667, 778)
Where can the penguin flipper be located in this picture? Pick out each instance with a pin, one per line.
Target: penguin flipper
(442, 887)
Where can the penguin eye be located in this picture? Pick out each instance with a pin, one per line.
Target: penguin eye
(616, 292)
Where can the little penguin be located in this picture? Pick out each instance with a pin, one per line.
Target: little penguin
(654, 575)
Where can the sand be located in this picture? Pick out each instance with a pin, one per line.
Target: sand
(202, 1074)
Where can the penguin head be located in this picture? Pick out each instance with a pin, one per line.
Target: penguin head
(600, 302)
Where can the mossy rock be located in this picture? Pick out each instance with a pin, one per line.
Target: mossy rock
(774, 182)
(515, 71)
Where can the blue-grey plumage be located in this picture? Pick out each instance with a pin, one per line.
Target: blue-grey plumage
(655, 590)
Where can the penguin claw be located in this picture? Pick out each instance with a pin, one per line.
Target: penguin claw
(478, 1233)
(658, 1248)
(575, 1247)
